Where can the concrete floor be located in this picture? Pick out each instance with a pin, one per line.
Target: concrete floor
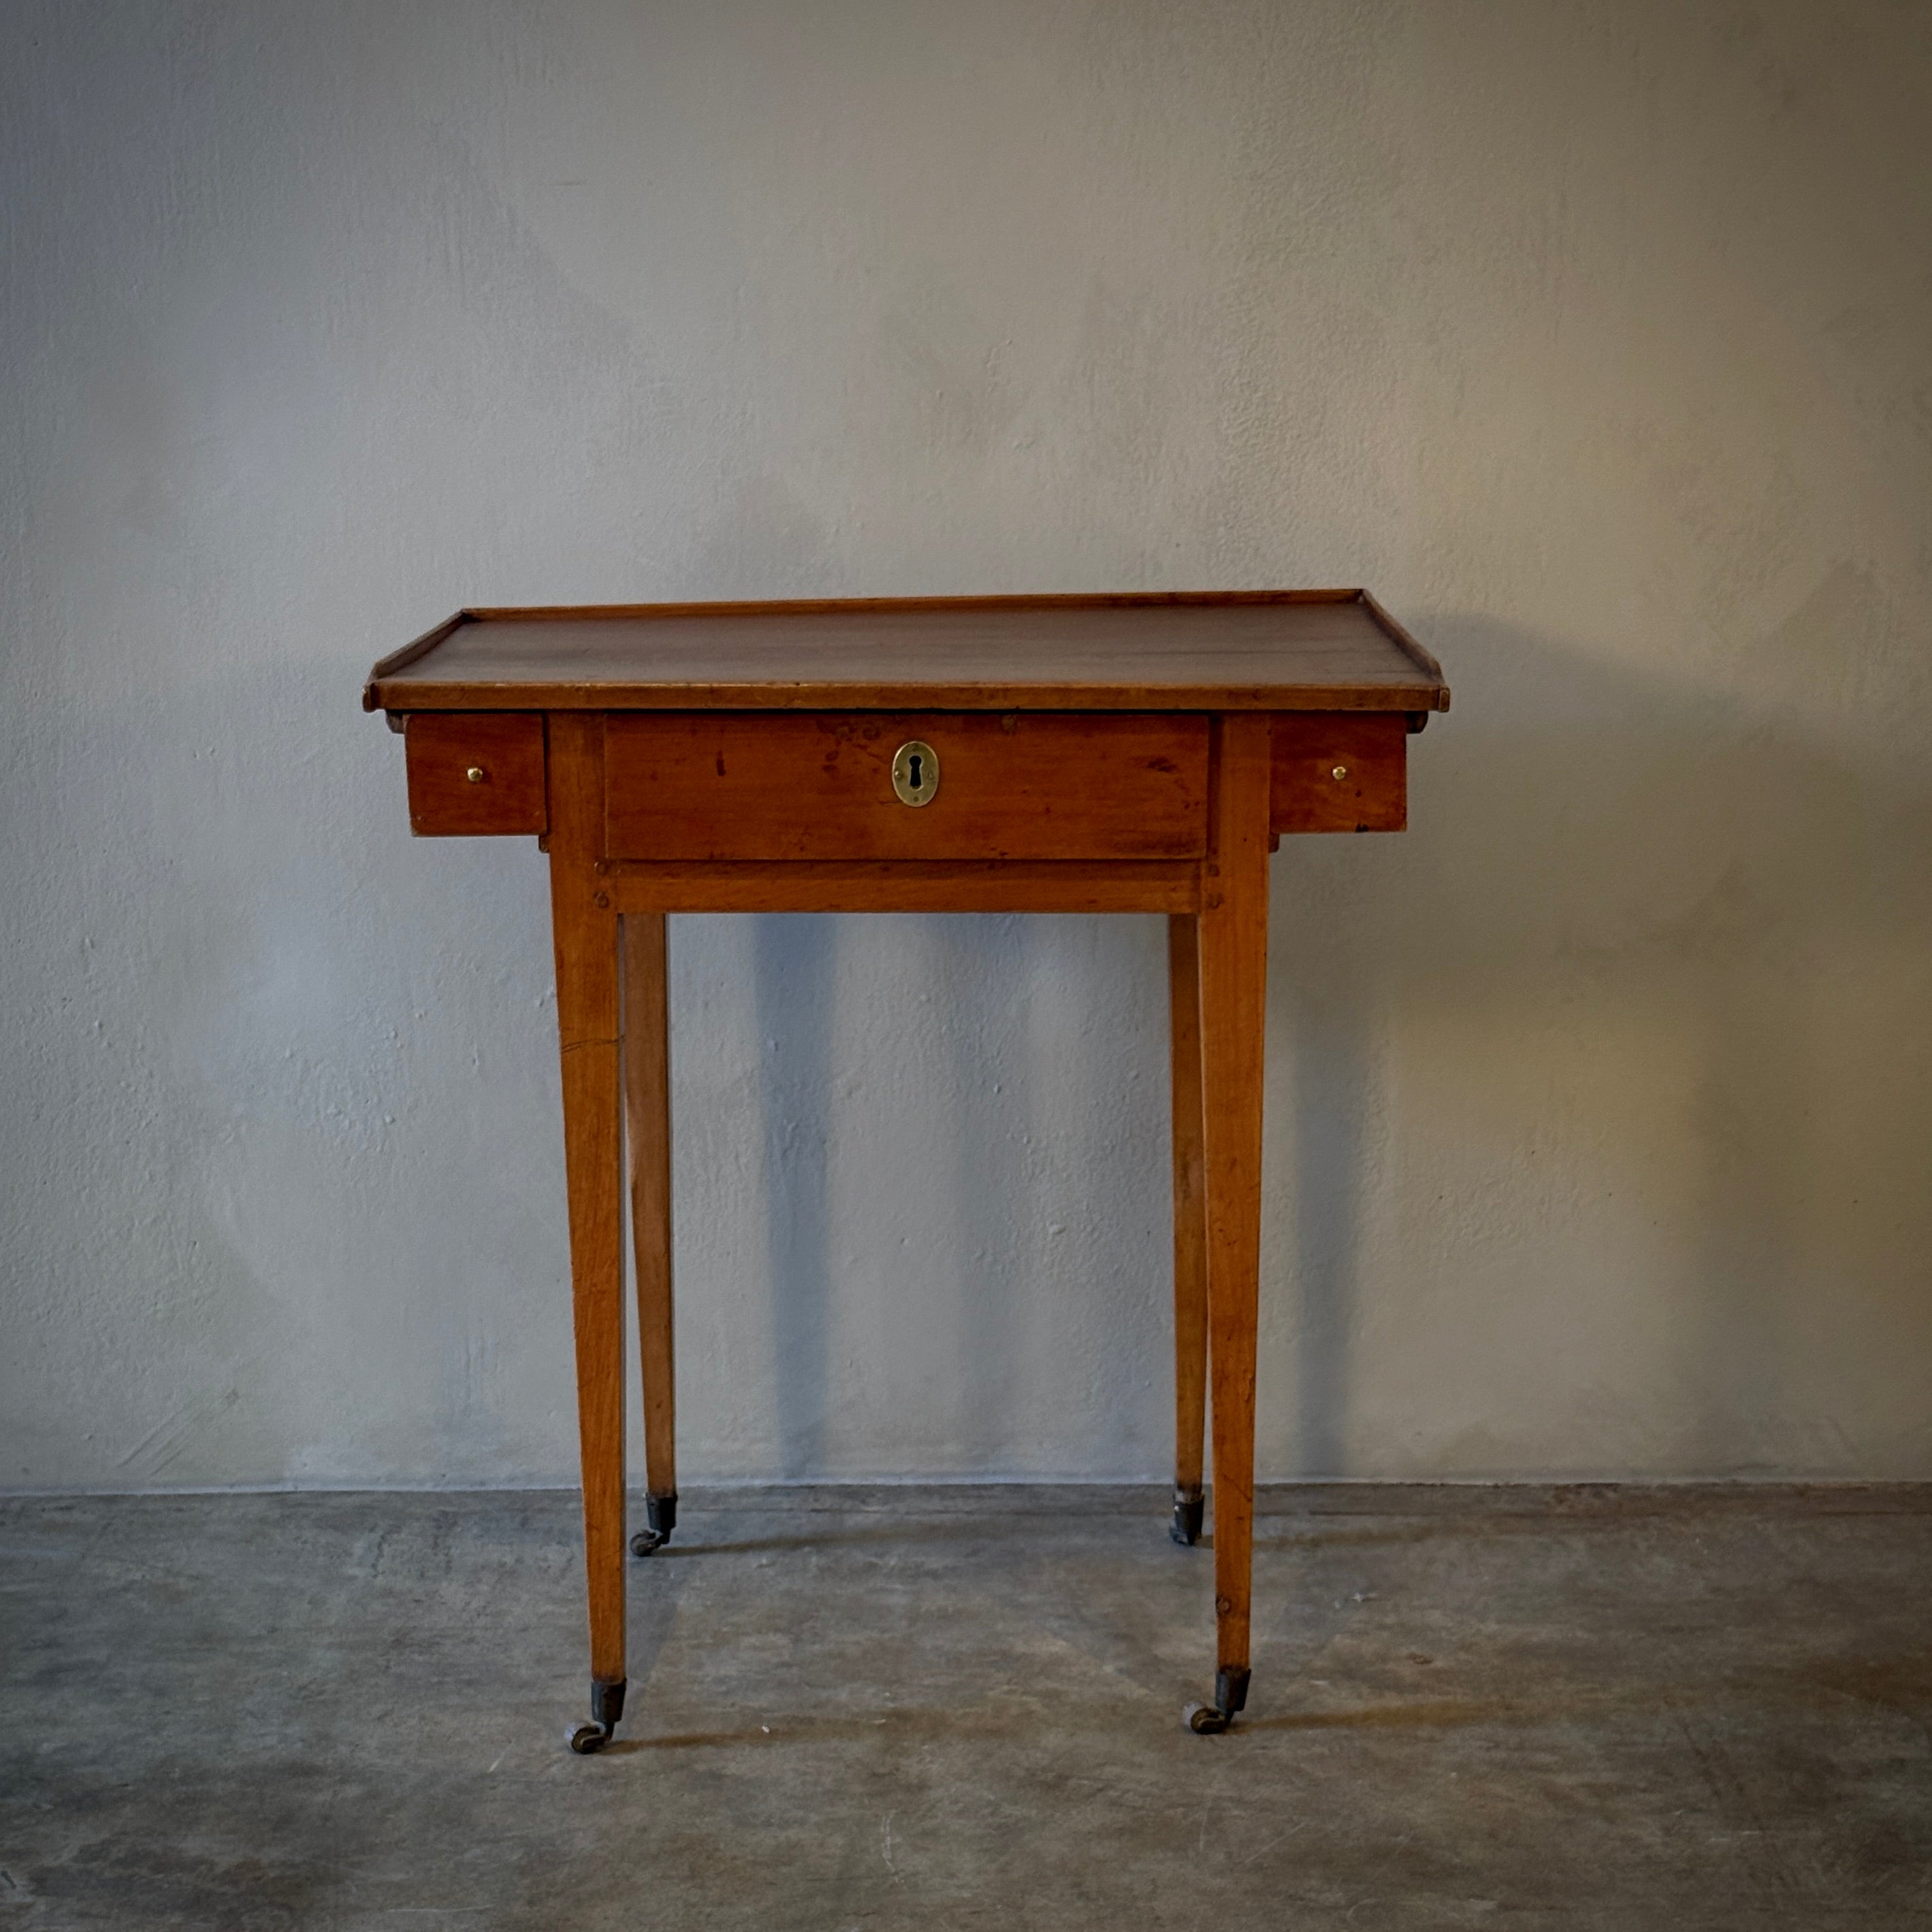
(1496, 1707)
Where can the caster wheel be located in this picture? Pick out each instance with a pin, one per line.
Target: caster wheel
(1206, 1721)
(661, 1516)
(607, 1706)
(1186, 1527)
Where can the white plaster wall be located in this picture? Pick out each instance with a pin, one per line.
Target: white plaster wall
(1597, 338)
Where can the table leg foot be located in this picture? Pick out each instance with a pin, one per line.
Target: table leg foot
(1231, 1693)
(1188, 1509)
(607, 1706)
(660, 1514)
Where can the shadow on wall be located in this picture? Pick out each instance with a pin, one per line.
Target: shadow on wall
(1605, 1089)
(794, 965)
(953, 1235)
(1609, 1084)
(1642, 940)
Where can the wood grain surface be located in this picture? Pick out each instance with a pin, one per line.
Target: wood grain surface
(1339, 772)
(1252, 650)
(585, 934)
(814, 785)
(1190, 1223)
(647, 1137)
(506, 748)
(914, 885)
(1234, 1006)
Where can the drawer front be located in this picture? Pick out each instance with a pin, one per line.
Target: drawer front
(820, 785)
(474, 771)
(1340, 771)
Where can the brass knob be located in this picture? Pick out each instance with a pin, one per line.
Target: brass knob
(475, 775)
(1339, 773)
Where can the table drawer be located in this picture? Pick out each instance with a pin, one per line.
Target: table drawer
(1340, 771)
(970, 785)
(476, 771)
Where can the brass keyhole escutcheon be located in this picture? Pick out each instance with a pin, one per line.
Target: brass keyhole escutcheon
(916, 772)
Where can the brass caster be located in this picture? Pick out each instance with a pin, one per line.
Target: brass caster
(1188, 1509)
(607, 1706)
(1231, 1693)
(660, 1514)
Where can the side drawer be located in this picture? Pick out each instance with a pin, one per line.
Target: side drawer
(1340, 771)
(476, 771)
(820, 785)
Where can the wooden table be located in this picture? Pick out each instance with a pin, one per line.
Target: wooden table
(1111, 753)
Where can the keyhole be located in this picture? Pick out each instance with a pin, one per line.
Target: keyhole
(916, 772)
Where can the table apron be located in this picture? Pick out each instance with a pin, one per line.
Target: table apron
(1066, 886)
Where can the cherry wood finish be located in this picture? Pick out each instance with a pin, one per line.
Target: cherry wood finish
(647, 1138)
(475, 772)
(585, 930)
(1269, 650)
(1098, 754)
(1233, 1000)
(906, 886)
(1190, 1214)
(1339, 772)
(736, 784)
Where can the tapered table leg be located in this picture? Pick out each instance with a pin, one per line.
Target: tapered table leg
(1233, 1000)
(647, 1132)
(585, 932)
(1190, 1226)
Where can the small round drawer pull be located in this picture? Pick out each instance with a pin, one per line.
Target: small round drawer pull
(916, 772)
(1339, 773)
(475, 775)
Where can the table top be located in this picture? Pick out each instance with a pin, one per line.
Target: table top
(1320, 650)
